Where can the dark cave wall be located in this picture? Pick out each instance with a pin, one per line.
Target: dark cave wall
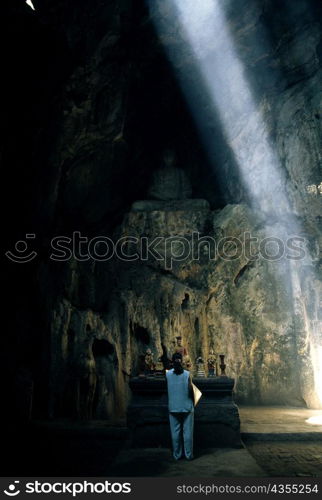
(111, 109)
(120, 108)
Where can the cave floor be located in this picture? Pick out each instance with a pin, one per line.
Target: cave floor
(278, 422)
(277, 442)
(216, 462)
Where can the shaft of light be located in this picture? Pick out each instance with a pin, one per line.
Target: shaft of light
(202, 24)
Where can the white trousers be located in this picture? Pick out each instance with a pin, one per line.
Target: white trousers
(181, 426)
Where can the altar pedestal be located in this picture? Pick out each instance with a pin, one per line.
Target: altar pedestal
(216, 415)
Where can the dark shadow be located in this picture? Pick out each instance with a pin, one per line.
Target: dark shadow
(141, 334)
(102, 347)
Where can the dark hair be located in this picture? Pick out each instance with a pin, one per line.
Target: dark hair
(177, 363)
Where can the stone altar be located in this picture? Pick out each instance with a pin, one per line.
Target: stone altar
(216, 416)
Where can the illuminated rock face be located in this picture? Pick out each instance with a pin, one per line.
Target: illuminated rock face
(247, 309)
(98, 159)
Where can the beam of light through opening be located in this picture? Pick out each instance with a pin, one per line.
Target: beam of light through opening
(207, 31)
(314, 420)
(29, 2)
(203, 26)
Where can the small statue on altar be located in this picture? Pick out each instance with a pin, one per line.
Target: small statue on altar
(200, 367)
(211, 362)
(148, 362)
(159, 368)
(180, 348)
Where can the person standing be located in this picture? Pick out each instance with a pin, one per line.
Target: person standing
(181, 409)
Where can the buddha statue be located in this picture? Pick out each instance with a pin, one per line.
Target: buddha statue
(169, 182)
(179, 347)
(148, 361)
(159, 368)
(211, 363)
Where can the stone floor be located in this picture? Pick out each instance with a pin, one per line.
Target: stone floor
(277, 442)
(288, 459)
(216, 462)
(278, 422)
(282, 441)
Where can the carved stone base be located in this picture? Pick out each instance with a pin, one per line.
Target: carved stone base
(216, 416)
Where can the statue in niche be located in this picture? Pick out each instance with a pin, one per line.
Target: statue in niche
(211, 362)
(169, 182)
(148, 361)
(180, 348)
(177, 346)
(159, 368)
(200, 367)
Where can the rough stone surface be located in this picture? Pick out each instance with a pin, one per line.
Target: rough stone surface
(93, 147)
(224, 462)
(68, 448)
(285, 459)
(242, 308)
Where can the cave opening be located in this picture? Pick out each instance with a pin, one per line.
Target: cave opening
(141, 334)
(185, 302)
(142, 341)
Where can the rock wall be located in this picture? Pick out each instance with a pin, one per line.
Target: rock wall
(116, 106)
(250, 310)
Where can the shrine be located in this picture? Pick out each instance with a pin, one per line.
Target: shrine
(216, 415)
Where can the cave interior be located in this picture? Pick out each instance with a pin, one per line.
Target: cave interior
(109, 130)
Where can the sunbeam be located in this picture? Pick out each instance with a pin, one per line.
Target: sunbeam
(31, 5)
(203, 27)
(314, 420)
